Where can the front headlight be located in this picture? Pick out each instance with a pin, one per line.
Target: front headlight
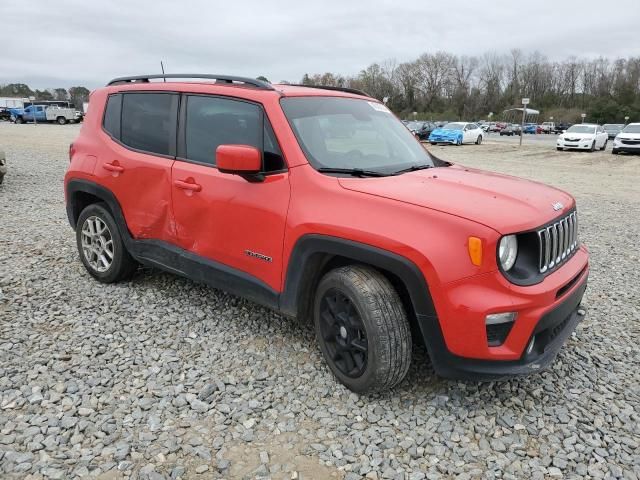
(508, 251)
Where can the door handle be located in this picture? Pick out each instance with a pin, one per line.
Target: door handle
(113, 167)
(192, 186)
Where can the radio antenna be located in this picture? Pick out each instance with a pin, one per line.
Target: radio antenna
(162, 67)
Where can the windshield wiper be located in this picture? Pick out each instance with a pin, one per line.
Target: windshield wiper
(412, 168)
(356, 172)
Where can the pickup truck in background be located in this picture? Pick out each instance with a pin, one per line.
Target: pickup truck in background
(46, 113)
(548, 127)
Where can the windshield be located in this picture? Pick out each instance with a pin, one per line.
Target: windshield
(582, 129)
(349, 133)
(414, 125)
(612, 126)
(634, 128)
(454, 126)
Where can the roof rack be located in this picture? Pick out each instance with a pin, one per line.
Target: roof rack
(218, 78)
(355, 91)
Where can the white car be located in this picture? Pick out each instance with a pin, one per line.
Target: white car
(583, 136)
(628, 140)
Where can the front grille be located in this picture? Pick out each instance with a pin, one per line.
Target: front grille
(631, 142)
(571, 139)
(557, 242)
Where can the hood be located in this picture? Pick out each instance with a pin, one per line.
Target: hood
(446, 133)
(628, 136)
(506, 204)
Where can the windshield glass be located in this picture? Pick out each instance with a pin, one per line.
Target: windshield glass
(612, 126)
(635, 128)
(350, 133)
(454, 126)
(414, 125)
(582, 129)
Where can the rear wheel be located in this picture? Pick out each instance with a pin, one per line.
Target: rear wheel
(100, 245)
(61, 120)
(362, 329)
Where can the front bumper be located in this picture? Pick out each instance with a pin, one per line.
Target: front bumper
(626, 147)
(443, 140)
(581, 145)
(457, 339)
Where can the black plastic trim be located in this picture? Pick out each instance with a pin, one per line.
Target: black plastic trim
(172, 258)
(354, 91)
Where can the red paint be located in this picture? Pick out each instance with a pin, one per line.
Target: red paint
(425, 216)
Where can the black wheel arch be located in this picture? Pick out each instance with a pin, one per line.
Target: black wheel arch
(314, 255)
(81, 193)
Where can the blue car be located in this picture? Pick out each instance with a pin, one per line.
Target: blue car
(450, 133)
(457, 133)
(530, 128)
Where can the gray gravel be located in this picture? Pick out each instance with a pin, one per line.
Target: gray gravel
(163, 378)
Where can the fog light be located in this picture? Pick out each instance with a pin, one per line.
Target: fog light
(497, 318)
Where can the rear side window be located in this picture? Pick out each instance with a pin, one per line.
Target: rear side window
(149, 122)
(111, 121)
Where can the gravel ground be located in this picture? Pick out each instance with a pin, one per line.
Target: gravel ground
(160, 377)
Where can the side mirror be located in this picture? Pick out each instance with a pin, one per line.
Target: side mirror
(243, 160)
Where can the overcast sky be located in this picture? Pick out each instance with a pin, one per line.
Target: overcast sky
(63, 43)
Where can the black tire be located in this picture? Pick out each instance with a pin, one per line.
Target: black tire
(479, 140)
(604, 147)
(593, 147)
(122, 265)
(560, 149)
(19, 120)
(61, 120)
(615, 151)
(432, 143)
(374, 305)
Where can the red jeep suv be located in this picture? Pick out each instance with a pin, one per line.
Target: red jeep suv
(318, 203)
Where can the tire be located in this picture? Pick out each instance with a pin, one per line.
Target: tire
(560, 149)
(61, 120)
(19, 120)
(358, 308)
(604, 147)
(615, 151)
(122, 265)
(479, 140)
(432, 143)
(459, 142)
(593, 147)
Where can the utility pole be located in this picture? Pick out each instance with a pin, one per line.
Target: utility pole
(525, 102)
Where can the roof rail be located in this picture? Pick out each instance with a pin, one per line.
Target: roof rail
(219, 79)
(355, 91)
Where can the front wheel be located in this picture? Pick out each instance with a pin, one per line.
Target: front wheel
(593, 147)
(615, 151)
(100, 245)
(559, 149)
(362, 329)
(459, 141)
(605, 145)
(19, 120)
(479, 140)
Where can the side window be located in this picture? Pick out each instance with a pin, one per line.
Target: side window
(213, 121)
(149, 122)
(111, 120)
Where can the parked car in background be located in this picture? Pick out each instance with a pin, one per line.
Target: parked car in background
(422, 130)
(562, 127)
(583, 136)
(548, 127)
(531, 128)
(628, 140)
(362, 232)
(613, 129)
(5, 113)
(46, 113)
(3, 166)
(457, 133)
(511, 129)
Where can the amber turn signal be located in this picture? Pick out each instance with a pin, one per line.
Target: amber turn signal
(475, 250)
